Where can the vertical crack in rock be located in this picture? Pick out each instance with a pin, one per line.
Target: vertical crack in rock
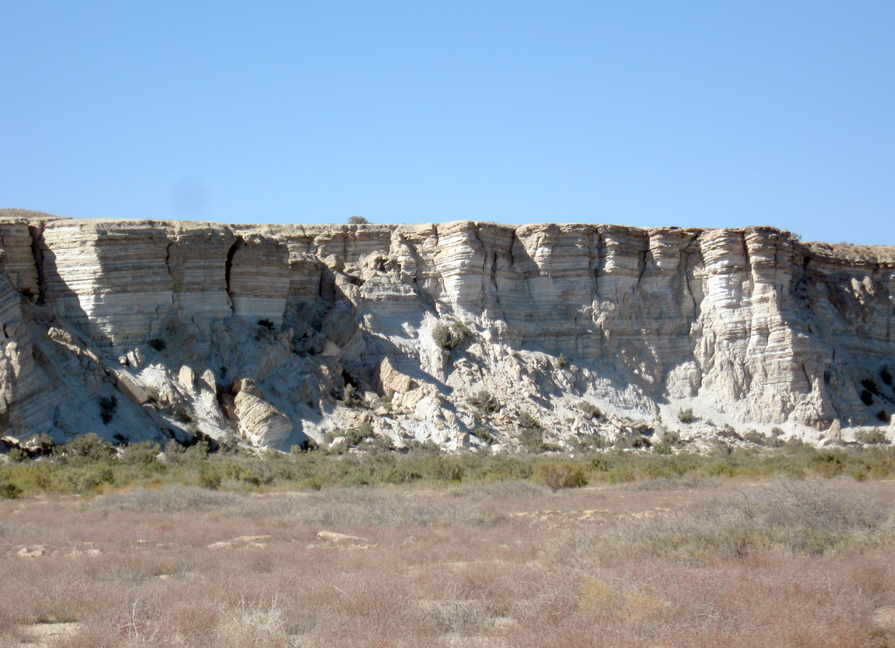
(438, 275)
(686, 257)
(494, 276)
(594, 262)
(475, 233)
(171, 272)
(228, 266)
(747, 265)
(168, 258)
(36, 232)
(643, 263)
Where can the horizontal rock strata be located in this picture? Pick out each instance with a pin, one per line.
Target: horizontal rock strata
(751, 324)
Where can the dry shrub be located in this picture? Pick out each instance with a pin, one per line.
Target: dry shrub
(168, 500)
(802, 518)
(255, 625)
(559, 474)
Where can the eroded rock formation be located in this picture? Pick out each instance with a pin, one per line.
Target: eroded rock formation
(747, 326)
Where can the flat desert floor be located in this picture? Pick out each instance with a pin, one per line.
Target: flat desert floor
(652, 564)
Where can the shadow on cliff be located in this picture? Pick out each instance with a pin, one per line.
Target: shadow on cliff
(62, 299)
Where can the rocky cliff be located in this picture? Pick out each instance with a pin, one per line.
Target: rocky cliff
(136, 329)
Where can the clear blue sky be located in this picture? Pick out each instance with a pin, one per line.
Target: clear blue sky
(720, 114)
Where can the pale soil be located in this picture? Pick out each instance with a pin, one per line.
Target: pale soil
(498, 565)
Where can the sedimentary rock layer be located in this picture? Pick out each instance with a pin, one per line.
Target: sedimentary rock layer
(751, 323)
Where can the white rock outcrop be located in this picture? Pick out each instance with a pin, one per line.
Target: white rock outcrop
(749, 327)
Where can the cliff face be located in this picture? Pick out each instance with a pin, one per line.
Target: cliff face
(190, 327)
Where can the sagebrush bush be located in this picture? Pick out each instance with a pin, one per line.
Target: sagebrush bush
(140, 453)
(526, 420)
(86, 447)
(483, 434)
(686, 416)
(351, 397)
(17, 454)
(589, 409)
(8, 490)
(450, 336)
(484, 402)
(532, 435)
(872, 437)
(560, 474)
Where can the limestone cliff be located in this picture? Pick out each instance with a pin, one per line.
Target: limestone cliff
(149, 328)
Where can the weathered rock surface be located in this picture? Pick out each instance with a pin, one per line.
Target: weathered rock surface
(183, 327)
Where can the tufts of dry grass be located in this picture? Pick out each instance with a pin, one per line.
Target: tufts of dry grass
(792, 517)
(714, 564)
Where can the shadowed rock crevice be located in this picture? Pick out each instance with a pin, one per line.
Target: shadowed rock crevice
(228, 267)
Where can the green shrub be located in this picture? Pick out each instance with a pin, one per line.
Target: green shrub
(90, 477)
(40, 443)
(632, 440)
(562, 361)
(589, 409)
(87, 447)
(425, 447)
(532, 439)
(355, 436)
(872, 437)
(183, 414)
(190, 454)
(484, 402)
(379, 443)
(686, 416)
(753, 436)
(867, 397)
(350, 397)
(18, 455)
(560, 474)
(663, 448)
(450, 336)
(8, 490)
(358, 220)
(140, 453)
(827, 464)
(266, 323)
(483, 434)
(532, 435)
(308, 445)
(209, 478)
(339, 448)
(589, 442)
(526, 420)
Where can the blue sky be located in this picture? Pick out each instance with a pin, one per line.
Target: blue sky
(719, 114)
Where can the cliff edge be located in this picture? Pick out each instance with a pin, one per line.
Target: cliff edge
(452, 332)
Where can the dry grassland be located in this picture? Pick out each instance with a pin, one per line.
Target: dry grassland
(713, 563)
